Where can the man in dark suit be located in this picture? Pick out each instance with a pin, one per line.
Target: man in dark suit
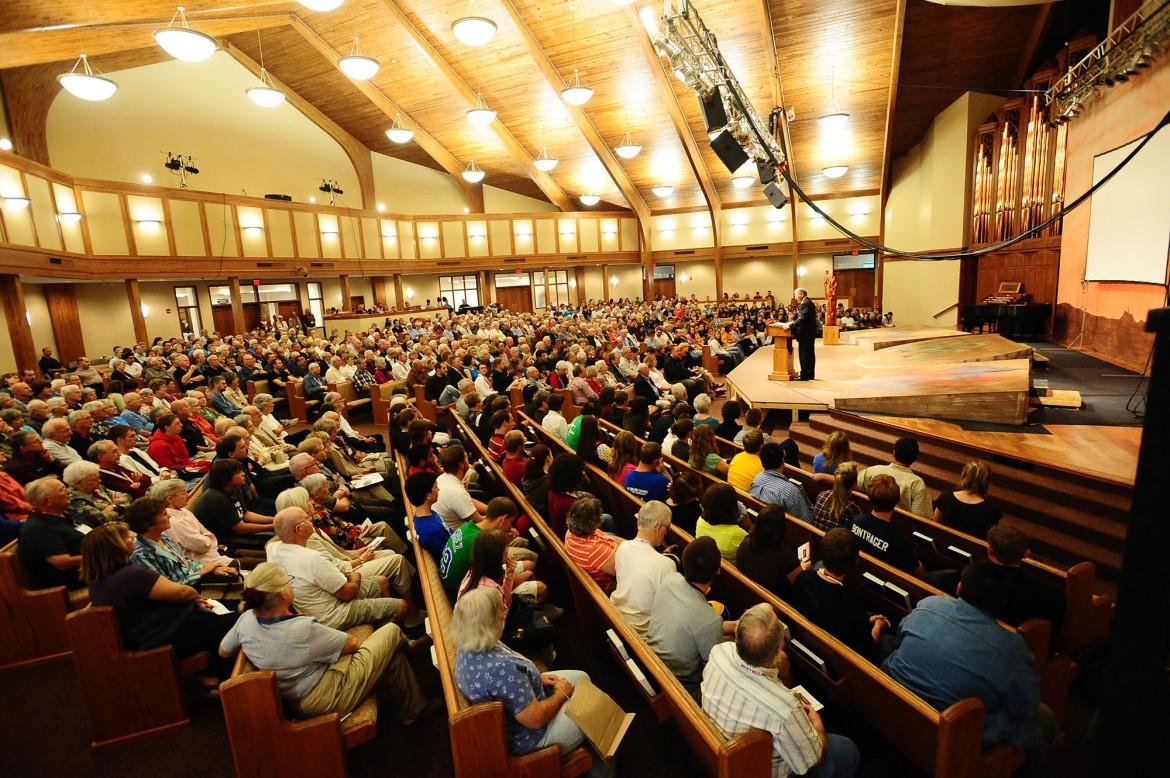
(804, 331)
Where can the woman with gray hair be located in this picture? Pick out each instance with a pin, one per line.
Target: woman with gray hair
(486, 670)
(90, 503)
(588, 546)
(320, 669)
(189, 534)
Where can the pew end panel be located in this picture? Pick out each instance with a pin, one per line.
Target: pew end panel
(32, 622)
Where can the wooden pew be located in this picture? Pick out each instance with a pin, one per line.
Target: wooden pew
(353, 402)
(130, 695)
(569, 409)
(298, 405)
(748, 754)
(479, 746)
(946, 744)
(380, 396)
(428, 409)
(710, 361)
(263, 386)
(265, 742)
(32, 622)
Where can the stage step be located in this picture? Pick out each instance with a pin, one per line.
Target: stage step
(1070, 518)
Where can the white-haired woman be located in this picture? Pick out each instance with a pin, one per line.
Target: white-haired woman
(189, 534)
(90, 503)
(320, 669)
(486, 670)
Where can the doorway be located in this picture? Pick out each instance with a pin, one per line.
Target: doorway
(515, 298)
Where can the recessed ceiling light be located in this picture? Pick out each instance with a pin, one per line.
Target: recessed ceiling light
(835, 171)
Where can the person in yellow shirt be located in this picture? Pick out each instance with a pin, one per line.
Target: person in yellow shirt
(746, 465)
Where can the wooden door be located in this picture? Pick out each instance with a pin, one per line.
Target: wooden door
(857, 286)
(222, 321)
(514, 298)
(663, 287)
(251, 316)
(289, 309)
(357, 301)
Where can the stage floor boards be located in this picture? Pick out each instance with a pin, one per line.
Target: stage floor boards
(1107, 451)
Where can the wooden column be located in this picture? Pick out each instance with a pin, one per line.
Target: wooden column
(346, 293)
(485, 287)
(579, 274)
(66, 320)
(647, 274)
(473, 195)
(134, 296)
(605, 287)
(399, 297)
(15, 314)
(378, 283)
(238, 305)
(718, 268)
(547, 289)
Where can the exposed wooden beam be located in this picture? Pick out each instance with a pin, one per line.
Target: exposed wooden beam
(34, 15)
(472, 193)
(764, 13)
(62, 45)
(134, 298)
(237, 304)
(357, 152)
(682, 128)
(16, 313)
(550, 188)
(1039, 27)
(891, 100)
(604, 153)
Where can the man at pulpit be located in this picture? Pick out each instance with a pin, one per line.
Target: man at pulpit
(804, 332)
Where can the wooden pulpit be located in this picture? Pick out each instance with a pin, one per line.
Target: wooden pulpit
(781, 353)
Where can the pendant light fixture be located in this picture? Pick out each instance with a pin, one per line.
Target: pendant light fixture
(743, 181)
(181, 42)
(87, 85)
(627, 149)
(358, 66)
(576, 93)
(472, 174)
(589, 199)
(663, 190)
(473, 29)
(480, 115)
(545, 162)
(321, 5)
(398, 133)
(265, 94)
(835, 118)
(835, 171)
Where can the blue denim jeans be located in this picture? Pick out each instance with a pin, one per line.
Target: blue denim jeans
(839, 760)
(565, 733)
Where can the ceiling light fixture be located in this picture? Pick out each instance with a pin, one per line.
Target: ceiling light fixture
(480, 115)
(398, 133)
(663, 190)
(472, 174)
(473, 29)
(835, 171)
(5, 144)
(589, 199)
(576, 93)
(87, 85)
(321, 5)
(184, 43)
(627, 149)
(545, 162)
(835, 118)
(358, 66)
(69, 217)
(16, 203)
(265, 94)
(743, 181)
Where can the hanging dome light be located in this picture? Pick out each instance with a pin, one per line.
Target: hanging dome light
(576, 93)
(743, 182)
(480, 115)
(663, 190)
(590, 199)
(184, 43)
(266, 95)
(398, 133)
(321, 5)
(544, 161)
(835, 118)
(835, 171)
(627, 149)
(358, 66)
(473, 29)
(86, 84)
(472, 174)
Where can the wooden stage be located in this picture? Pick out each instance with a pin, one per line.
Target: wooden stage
(927, 386)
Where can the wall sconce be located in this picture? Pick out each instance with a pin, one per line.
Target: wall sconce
(149, 224)
(69, 217)
(253, 230)
(682, 278)
(381, 208)
(28, 318)
(800, 271)
(613, 280)
(145, 311)
(775, 217)
(16, 203)
(409, 293)
(329, 233)
(572, 283)
(389, 236)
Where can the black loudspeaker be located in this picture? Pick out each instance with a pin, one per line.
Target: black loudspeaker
(775, 195)
(727, 148)
(283, 197)
(766, 171)
(714, 116)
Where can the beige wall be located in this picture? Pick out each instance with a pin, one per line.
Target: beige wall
(406, 188)
(42, 328)
(929, 205)
(199, 110)
(915, 290)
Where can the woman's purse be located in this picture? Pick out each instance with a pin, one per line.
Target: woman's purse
(528, 627)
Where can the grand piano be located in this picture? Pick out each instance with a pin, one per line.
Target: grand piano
(1009, 312)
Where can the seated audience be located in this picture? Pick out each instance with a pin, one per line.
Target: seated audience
(1027, 599)
(834, 452)
(649, 480)
(640, 568)
(773, 487)
(968, 509)
(148, 519)
(501, 514)
(685, 508)
(746, 465)
(320, 669)
(835, 507)
(744, 687)
(50, 546)
(587, 545)
(29, 460)
(683, 627)
(90, 503)
(730, 427)
(764, 557)
(721, 518)
(912, 489)
(455, 505)
(221, 510)
(536, 479)
(188, 533)
(422, 491)
(704, 454)
(878, 537)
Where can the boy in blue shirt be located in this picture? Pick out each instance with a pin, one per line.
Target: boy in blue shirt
(649, 480)
(422, 491)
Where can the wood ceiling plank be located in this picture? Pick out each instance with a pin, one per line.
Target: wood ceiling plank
(892, 96)
(37, 14)
(542, 179)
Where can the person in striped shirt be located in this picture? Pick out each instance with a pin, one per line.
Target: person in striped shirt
(588, 546)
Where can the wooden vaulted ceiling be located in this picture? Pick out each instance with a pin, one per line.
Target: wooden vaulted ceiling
(897, 63)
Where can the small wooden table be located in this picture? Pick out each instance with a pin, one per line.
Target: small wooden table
(781, 353)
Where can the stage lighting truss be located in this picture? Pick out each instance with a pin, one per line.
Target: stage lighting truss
(1128, 50)
(693, 53)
